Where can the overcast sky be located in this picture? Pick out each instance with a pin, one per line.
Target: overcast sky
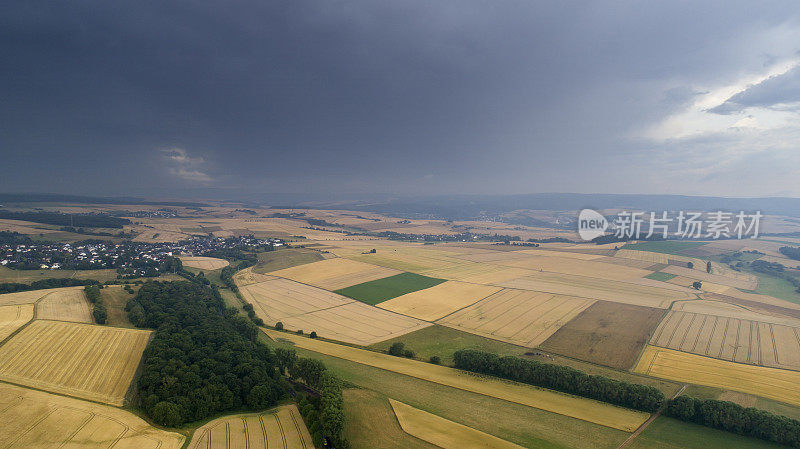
(419, 97)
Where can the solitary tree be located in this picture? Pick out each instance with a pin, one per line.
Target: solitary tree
(697, 285)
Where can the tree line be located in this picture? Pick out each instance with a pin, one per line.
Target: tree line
(734, 418)
(790, 251)
(98, 308)
(561, 378)
(59, 219)
(12, 287)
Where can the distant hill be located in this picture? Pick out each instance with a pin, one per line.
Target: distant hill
(58, 198)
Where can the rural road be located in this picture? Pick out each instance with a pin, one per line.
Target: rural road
(652, 418)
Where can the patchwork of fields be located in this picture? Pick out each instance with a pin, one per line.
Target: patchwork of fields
(29, 297)
(730, 338)
(35, 419)
(280, 428)
(435, 302)
(442, 432)
(334, 274)
(303, 307)
(517, 316)
(81, 360)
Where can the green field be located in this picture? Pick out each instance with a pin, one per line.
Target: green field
(115, 298)
(526, 426)
(371, 423)
(777, 287)
(374, 292)
(28, 276)
(668, 433)
(285, 258)
(444, 341)
(659, 276)
(665, 247)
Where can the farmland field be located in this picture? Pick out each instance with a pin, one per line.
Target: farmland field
(30, 296)
(334, 274)
(668, 433)
(371, 423)
(731, 338)
(521, 317)
(28, 276)
(606, 333)
(279, 428)
(204, 263)
(303, 307)
(435, 302)
(659, 276)
(443, 432)
(568, 265)
(377, 291)
(82, 360)
(285, 258)
(35, 419)
(748, 283)
(596, 288)
(64, 305)
(479, 273)
(115, 298)
(584, 409)
(772, 383)
(14, 317)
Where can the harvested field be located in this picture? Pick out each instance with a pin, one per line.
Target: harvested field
(730, 338)
(520, 317)
(707, 286)
(31, 296)
(771, 383)
(410, 258)
(743, 283)
(380, 290)
(371, 423)
(443, 432)
(662, 258)
(303, 307)
(576, 267)
(580, 408)
(334, 274)
(35, 419)
(478, 273)
(64, 305)
(248, 276)
(278, 428)
(726, 309)
(596, 288)
(630, 263)
(606, 333)
(81, 360)
(204, 263)
(14, 317)
(435, 302)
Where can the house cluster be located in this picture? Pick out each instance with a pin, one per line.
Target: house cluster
(131, 257)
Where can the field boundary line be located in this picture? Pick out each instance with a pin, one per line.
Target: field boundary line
(470, 305)
(649, 421)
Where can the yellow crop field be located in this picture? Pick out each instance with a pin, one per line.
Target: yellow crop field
(38, 420)
(247, 277)
(743, 283)
(303, 307)
(563, 404)
(204, 263)
(772, 383)
(726, 309)
(520, 317)
(478, 273)
(707, 286)
(562, 254)
(649, 256)
(596, 288)
(410, 258)
(333, 274)
(433, 303)
(14, 317)
(64, 305)
(29, 297)
(443, 432)
(577, 267)
(81, 360)
(730, 338)
(278, 428)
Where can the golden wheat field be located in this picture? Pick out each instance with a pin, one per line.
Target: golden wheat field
(38, 420)
(81, 360)
(478, 273)
(729, 338)
(577, 267)
(443, 432)
(333, 274)
(520, 317)
(596, 288)
(303, 307)
(204, 263)
(279, 428)
(14, 317)
(572, 406)
(435, 302)
(726, 309)
(414, 258)
(29, 297)
(772, 383)
(64, 305)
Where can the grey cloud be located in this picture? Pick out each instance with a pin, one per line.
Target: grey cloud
(777, 90)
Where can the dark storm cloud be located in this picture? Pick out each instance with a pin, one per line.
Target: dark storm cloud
(359, 97)
(782, 89)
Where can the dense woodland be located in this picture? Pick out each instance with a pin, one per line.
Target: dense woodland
(561, 378)
(790, 251)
